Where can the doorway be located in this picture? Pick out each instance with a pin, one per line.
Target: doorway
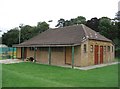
(25, 53)
(96, 54)
(68, 55)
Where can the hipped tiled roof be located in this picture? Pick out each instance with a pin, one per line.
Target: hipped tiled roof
(66, 36)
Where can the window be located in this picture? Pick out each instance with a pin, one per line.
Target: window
(85, 48)
(112, 48)
(108, 48)
(91, 48)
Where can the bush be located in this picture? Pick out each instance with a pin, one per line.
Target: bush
(117, 53)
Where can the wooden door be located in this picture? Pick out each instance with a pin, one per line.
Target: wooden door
(19, 53)
(25, 52)
(96, 54)
(101, 54)
(68, 54)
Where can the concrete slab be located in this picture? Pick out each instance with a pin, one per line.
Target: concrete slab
(9, 61)
(96, 66)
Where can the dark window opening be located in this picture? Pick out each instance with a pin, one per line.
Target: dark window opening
(112, 48)
(85, 50)
(108, 48)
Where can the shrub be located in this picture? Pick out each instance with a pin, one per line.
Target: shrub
(117, 53)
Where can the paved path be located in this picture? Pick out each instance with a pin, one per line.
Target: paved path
(96, 66)
(9, 61)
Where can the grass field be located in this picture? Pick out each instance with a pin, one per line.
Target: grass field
(0, 76)
(38, 75)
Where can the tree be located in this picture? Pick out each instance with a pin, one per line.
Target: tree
(1, 39)
(93, 24)
(42, 26)
(118, 27)
(27, 32)
(61, 23)
(105, 26)
(67, 23)
(118, 16)
(11, 37)
(74, 21)
(80, 20)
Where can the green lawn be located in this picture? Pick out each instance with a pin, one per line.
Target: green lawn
(0, 76)
(117, 59)
(38, 75)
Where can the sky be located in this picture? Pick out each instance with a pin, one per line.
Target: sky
(29, 12)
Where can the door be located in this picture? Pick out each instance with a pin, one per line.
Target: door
(101, 54)
(96, 54)
(25, 52)
(68, 55)
(19, 56)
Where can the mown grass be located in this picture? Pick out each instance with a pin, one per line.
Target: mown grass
(38, 75)
(117, 59)
(0, 76)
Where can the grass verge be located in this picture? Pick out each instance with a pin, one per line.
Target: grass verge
(38, 75)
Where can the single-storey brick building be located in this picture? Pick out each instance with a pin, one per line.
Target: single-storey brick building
(76, 45)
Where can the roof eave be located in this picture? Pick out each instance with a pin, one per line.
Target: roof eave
(49, 45)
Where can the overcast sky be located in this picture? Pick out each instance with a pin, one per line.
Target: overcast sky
(29, 12)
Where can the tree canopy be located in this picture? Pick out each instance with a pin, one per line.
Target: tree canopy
(74, 21)
(26, 32)
(108, 27)
(11, 37)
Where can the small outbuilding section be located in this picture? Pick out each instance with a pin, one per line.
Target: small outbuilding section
(76, 45)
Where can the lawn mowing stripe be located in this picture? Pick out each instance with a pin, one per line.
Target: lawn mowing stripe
(36, 78)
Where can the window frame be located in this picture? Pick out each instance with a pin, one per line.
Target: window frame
(85, 48)
(104, 49)
(108, 48)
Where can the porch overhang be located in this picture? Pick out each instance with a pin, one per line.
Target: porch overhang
(44, 45)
